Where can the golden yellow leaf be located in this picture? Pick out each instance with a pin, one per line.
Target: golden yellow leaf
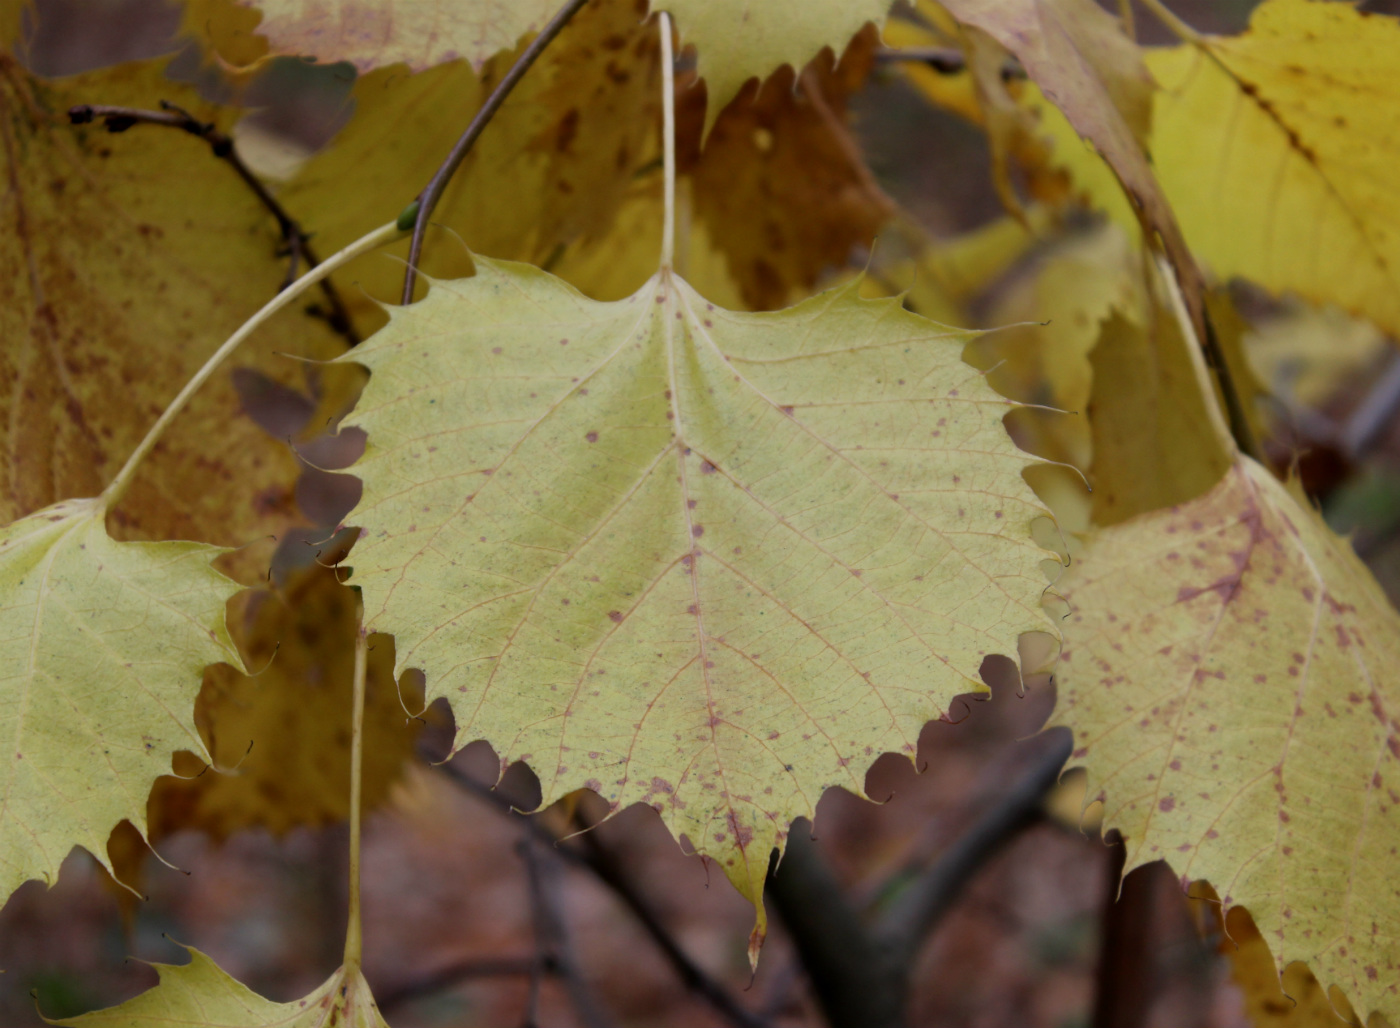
(102, 644)
(12, 18)
(708, 561)
(201, 995)
(225, 29)
(1078, 56)
(281, 737)
(1307, 353)
(419, 33)
(1231, 675)
(124, 261)
(1277, 149)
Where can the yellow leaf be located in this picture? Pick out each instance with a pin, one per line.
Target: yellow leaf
(1153, 439)
(12, 19)
(737, 40)
(102, 645)
(1277, 149)
(1230, 673)
(708, 561)
(124, 261)
(1305, 354)
(419, 33)
(201, 995)
(1054, 317)
(281, 737)
(227, 29)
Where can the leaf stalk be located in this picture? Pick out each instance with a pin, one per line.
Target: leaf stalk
(354, 938)
(668, 143)
(118, 486)
(432, 192)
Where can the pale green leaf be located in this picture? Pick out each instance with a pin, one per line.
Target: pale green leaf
(708, 561)
(1232, 675)
(200, 994)
(103, 646)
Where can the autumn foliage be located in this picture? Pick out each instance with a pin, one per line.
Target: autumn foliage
(672, 482)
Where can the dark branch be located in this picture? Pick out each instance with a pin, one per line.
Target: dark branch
(432, 192)
(297, 244)
(923, 904)
(861, 972)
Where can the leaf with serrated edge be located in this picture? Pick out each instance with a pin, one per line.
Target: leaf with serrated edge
(200, 994)
(1232, 676)
(102, 645)
(736, 40)
(708, 561)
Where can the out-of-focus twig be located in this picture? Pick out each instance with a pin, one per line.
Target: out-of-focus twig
(591, 855)
(298, 245)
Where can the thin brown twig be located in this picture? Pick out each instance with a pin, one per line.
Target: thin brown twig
(552, 937)
(297, 244)
(432, 192)
(594, 857)
(455, 973)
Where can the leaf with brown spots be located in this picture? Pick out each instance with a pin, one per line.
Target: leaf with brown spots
(1296, 1000)
(1232, 676)
(708, 561)
(201, 995)
(124, 261)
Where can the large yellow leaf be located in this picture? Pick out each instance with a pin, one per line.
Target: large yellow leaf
(419, 33)
(1232, 676)
(707, 561)
(1278, 149)
(124, 261)
(200, 994)
(102, 645)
